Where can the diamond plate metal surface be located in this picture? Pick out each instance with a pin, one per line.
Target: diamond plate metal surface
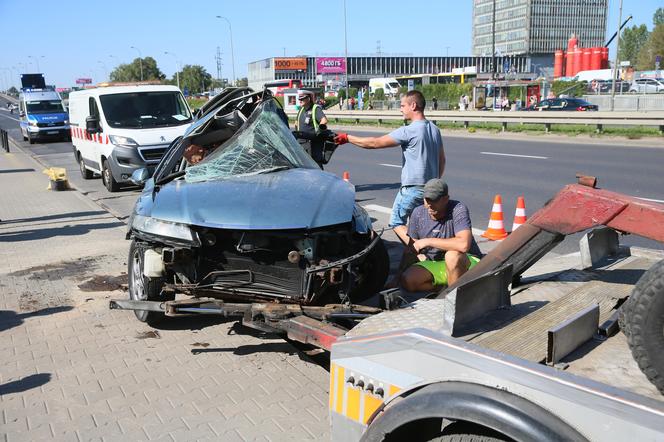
(423, 313)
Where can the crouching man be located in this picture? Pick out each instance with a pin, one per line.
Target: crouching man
(440, 246)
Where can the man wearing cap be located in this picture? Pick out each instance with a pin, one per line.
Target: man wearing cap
(422, 157)
(309, 119)
(440, 245)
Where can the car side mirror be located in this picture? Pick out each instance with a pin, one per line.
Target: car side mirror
(140, 176)
(92, 125)
(21, 114)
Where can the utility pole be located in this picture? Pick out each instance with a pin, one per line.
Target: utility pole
(218, 59)
(493, 41)
(615, 62)
(346, 52)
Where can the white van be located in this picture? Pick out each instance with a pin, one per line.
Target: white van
(118, 129)
(390, 86)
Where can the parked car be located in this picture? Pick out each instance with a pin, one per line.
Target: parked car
(647, 85)
(255, 220)
(604, 86)
(563, 104)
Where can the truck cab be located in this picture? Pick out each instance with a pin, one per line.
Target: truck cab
(42, 115)
(390, 86)
(119, 129)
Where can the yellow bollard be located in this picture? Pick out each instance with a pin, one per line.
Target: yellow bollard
(57, 177)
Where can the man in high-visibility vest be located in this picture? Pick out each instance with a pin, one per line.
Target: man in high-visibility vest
(309, 119)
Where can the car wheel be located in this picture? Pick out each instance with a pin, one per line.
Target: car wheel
(642, 319)
(31, 140)
(373, 273)
(107, 178)
(24, 137)
(142, 288)
(85, 173)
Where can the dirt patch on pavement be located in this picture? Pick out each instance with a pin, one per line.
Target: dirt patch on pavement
(75, 269)
(104, 283)
(32, 301)
(152, 334)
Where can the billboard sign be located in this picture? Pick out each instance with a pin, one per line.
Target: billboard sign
(330, 65)
(83, 80)
(290, 64)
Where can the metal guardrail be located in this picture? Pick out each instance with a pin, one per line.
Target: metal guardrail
(597, 119)
(4, 140)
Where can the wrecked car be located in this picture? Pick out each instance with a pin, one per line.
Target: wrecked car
(255, 220)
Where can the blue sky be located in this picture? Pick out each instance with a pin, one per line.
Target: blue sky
(87, 39)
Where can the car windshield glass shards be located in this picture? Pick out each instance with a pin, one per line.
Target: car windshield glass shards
(264, 144)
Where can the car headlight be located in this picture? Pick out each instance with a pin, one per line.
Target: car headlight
(162, 228)
(32, 123)
(122, 141)
(66, 122)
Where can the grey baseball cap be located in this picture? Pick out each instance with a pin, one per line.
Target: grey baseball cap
(434, 189)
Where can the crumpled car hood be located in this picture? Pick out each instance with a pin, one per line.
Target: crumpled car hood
(288, 199)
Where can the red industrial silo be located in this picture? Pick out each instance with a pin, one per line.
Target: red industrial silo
(576, 63)
(571, 47)
(596, 58)
(558, 60)
(585, 60)
(605, 58)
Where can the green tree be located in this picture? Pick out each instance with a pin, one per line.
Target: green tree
(380, 94)
(12, 91)
(653, 47)
(242, 82)
(195, 78)
(132, 71)
(658, 17)
(631, 42)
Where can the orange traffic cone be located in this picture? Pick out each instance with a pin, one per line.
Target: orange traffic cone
(520, 214)
(496, 228)
(346, 176)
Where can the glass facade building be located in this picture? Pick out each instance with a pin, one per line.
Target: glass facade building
(361, 69)
(537, 26)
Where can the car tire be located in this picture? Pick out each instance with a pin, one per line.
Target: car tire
(107, 177)
(374, 270)
(24, 137)
(85, 173)
(31, 140)
(142, 288)
(642, 319)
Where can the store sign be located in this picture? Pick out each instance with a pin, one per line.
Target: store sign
(290, 64)
(83, 80)
(331, 65)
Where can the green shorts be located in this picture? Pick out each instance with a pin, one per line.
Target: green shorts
(439, 270)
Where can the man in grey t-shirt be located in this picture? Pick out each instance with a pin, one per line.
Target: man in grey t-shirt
(422, 157)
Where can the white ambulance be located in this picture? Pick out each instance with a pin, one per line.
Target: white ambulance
(118, 129)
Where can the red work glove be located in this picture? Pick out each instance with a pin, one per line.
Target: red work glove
(340, 139)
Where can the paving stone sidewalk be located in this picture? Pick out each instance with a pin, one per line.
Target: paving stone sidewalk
(75, 370)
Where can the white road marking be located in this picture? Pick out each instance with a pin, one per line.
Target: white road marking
(649, 199)
(11, 118)
(388, 211)
(390, 165)
(514, 155)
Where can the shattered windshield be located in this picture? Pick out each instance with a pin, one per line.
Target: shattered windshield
(264, 144)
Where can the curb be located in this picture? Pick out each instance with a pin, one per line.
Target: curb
(82, 194)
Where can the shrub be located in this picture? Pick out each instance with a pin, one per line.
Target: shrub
(379, 94)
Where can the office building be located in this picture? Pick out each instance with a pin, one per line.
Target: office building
(536, 27)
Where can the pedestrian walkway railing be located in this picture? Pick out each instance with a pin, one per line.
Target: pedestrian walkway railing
(597, 119)
(4, 140)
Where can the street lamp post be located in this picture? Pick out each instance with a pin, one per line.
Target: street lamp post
(177, 66)
(36, 60)
(346, 54)
(230, 28)
(103, 65)
(615, 62)
(140, 60)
